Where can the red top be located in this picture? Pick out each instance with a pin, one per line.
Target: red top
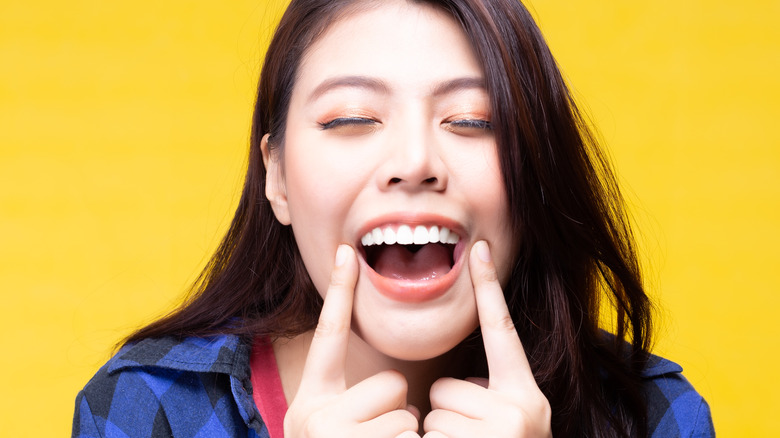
(267, 387)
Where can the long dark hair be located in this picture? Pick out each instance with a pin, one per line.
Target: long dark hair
(576, 243)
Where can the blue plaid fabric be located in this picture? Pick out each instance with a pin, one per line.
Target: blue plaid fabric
(200, 387)
(675, 409)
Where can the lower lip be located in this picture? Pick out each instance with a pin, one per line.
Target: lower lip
(416, 291)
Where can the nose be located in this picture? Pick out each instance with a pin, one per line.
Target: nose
(412, 162)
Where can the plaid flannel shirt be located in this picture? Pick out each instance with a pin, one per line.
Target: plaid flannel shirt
(200, 387)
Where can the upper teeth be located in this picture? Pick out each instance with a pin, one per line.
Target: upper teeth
(404, 235)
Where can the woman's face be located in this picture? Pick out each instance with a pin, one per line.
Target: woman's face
(388, 144)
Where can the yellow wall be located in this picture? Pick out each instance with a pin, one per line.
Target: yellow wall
(123, 128)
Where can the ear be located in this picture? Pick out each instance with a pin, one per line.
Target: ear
(275, 188)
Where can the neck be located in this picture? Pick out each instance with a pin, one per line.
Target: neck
(362, 362)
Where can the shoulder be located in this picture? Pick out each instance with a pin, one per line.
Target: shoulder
(674, 407)
(146, 387)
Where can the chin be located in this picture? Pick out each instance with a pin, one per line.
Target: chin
(411, 346)
(415, 334)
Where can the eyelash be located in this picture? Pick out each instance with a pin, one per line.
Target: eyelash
(346, 121)
(475, 124)
(471, 124)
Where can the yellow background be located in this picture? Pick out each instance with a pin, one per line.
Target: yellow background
(123, 128)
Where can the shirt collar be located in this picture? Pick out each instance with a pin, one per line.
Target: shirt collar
(226, 354)
(658, 366)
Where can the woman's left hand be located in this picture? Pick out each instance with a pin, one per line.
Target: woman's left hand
(509, 403)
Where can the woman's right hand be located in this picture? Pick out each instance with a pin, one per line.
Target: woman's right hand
(323, 405)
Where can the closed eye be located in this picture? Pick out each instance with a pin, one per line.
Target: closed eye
(341, 122)
(469, 127)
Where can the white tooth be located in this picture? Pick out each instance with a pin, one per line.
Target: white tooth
(367, 240)
(420, 235)
(453, 238)
(433, 234)
(444, 233)
(377, 237)
(404, 235)
(389, 236)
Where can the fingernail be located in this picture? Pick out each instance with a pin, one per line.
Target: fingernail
(483, 252)
(341, 255)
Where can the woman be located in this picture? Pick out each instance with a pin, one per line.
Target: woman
(422, 167)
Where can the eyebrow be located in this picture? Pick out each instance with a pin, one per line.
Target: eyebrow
(349, 81)
(459, 84)
(376, 85)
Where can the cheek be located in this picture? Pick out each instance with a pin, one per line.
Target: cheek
(311, 228)
(503, 239)
(320, 194)
(489, 201)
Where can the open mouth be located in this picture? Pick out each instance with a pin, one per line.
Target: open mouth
(403, 253)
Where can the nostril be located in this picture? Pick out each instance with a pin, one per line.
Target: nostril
(427, 181)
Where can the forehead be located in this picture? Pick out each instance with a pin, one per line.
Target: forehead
(403, 44)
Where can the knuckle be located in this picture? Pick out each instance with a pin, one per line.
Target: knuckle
(318, 424)
(435, 422)
(503, 323)
(543, 408)
(489, 275)
(394, 384)
(438, 388)
(396, 379)
(533, 418)
(408, 422)
(521, 422)
(430, 421)
(326, 328)
(342, 278)
(516, 422)
(311, 428)
(336, 280)
(506, 323)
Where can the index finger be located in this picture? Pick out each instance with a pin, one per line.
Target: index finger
(326, 360)
(507, 363)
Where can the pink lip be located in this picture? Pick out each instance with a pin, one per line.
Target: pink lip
(415, 291)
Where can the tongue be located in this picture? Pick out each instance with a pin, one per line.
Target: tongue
(431, 261)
